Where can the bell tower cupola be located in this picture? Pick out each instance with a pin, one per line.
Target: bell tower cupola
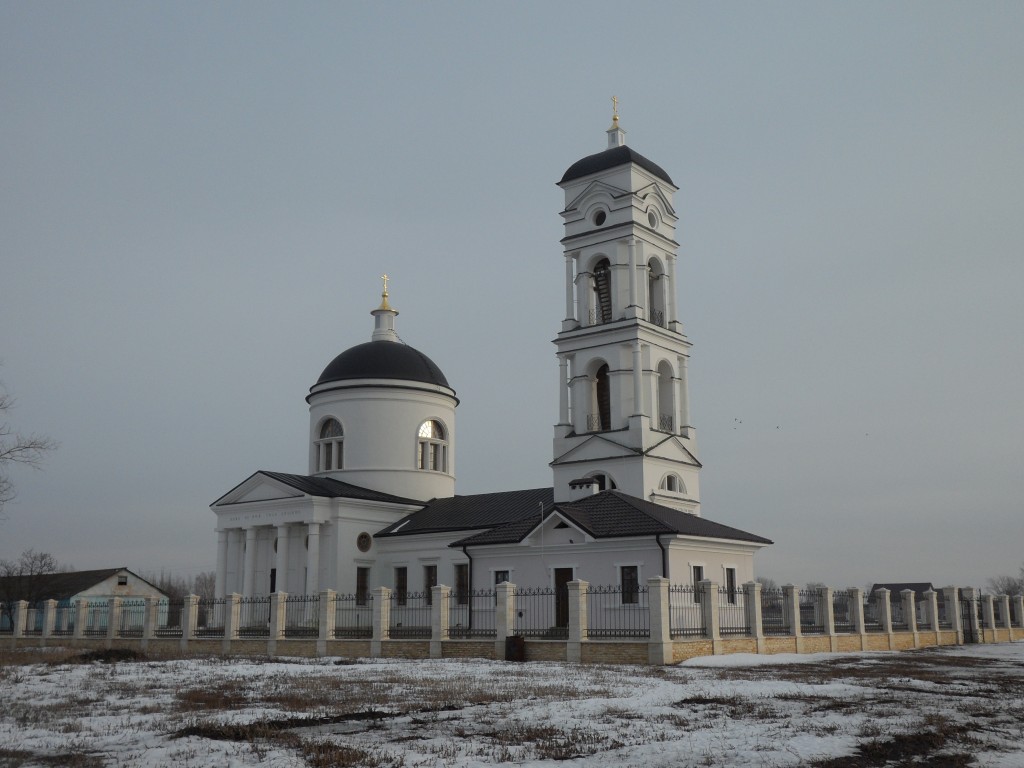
(624, 416)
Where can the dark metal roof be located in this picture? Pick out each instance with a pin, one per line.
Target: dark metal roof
(324, 486)
(55, 586)
(383, 360)
(613, 514)
(612, 158)
(464, 513)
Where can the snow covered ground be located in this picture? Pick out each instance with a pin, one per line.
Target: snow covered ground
(948, 707)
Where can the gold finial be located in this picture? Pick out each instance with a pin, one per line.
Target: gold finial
(615, 109)
(384, 296)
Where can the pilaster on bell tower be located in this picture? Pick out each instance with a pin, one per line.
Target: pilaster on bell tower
(623, 403)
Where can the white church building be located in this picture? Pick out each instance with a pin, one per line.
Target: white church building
(378, 506)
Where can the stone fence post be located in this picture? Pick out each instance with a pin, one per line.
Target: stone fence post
(988, 608)
(189, 618)
(791, 609)
(113, 619)
(438, 618)
(81, 618)
(884, 608)
(659, 650)
(150, 619)
(931, 610)
(381, 620)
(504, 617)
(20, 617)
(910, 611)
(951, 599)
(327, 620)
(752, 605)
(232, 618)
(278, 620)
(709, 610)
(1004, 610)
(577, 596)
(826, 607)
(50, 618)
(857, 614)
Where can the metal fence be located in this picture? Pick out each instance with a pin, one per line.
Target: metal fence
(899, 621)
(168, 618)
(872, 607)
(97, 615)
(211, 617)
(923, 620)
(773, 612)
(353, 616)
(812, 611)
(64, 619)
(732, 612)
(132, 619)
(842, 611)
(539, 613)
(615, 611)
(410, 615)
(254, 617)
(685, 614)
(302, 616)
(471, 614)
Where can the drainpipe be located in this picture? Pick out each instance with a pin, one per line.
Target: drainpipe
(664, 557)
(469, 587)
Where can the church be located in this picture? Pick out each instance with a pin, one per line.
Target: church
(378, 506)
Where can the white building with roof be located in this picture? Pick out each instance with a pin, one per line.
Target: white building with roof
(378, 505)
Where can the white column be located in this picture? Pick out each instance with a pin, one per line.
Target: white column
(282, 559)
(684, 395)
(222, 563)
(313, 560)
(563, 389)
(670, 292)
(570, 309)
(632, 276)
(584, 297)
(638, 380)
(249, 576)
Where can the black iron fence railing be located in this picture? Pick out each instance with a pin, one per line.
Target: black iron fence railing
(353, 616)
(302, 616)
(169, 615)
(685, 613)
(899, 621)
(410, 615)
(133, 618)
(843, 619)
(211, 617)
(773, 612)
(812, 611)
(471, 614)
(872, 609)
(617, 611)
(97, 616)
(541, 612)
(732, 612)
(254, 617)
(64, 619)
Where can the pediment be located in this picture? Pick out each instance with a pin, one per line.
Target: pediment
(556, 529)
(657, 194)
(596, 447)
(258, 487)
(595, 190)
(672, 449)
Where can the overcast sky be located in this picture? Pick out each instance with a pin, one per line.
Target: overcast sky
(197, 199)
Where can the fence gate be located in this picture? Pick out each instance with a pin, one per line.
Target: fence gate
(968, 618)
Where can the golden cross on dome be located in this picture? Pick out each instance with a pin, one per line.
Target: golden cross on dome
(385, 278)
(615, 109)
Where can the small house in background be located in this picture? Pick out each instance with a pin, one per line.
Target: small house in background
(66, 588)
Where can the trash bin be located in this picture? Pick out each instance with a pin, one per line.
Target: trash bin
(515, 648)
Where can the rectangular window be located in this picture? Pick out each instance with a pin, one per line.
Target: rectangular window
(630, 581)
(500, 577)
(698, 577)
(429, 582)
(401, 585)
(462, 583)
(730, 585)
(362, 585)
(122, 581)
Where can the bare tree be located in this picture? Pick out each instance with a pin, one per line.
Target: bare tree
(766, 583)
(19, 579)
(204, 585)
(1007, 585)
(16, 448)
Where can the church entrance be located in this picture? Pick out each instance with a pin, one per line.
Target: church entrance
(562, 578)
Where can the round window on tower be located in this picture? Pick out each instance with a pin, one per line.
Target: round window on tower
(652, 219)
(599, 218)
(364, 541)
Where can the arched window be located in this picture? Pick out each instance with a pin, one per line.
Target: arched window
(599, 417)
(673, 482)
(432, 447)
(666, 398)
(602, 300)
(656, 292)
(330, 446)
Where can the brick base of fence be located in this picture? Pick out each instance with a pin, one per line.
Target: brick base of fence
(311, 632)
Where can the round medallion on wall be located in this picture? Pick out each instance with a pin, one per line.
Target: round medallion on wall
(364, 541)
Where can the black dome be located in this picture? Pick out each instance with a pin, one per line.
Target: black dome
(383, 360)
(611, 158)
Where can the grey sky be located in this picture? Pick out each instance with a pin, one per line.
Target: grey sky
(196, 201)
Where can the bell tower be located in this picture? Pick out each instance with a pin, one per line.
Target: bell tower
(624, 414)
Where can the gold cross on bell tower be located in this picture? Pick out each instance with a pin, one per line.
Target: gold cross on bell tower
(615, 109)
(384, 296)
(385, 278)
